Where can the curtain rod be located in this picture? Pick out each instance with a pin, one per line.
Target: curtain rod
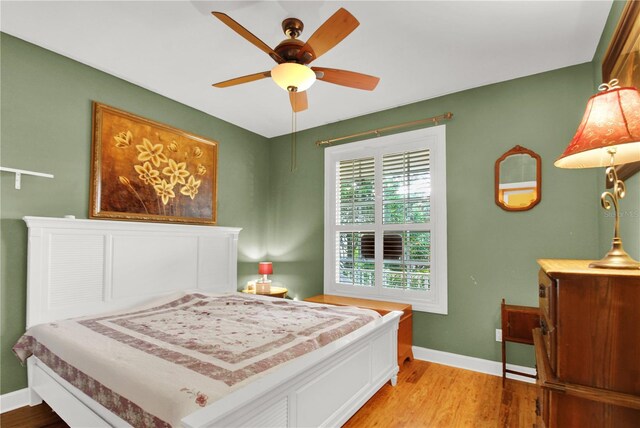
(434, 120)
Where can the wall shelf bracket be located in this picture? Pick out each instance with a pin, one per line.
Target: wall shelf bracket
(19, 172)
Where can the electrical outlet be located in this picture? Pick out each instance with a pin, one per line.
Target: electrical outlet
(498, 335)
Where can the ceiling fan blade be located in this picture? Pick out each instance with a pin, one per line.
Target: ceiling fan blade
(243, 79)
(298, 101)
(346, 78)
(332, 32)
(248, 35)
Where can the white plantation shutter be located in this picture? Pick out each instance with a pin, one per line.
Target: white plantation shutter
(406, 187)
(408, 265)
(356, 191)
(406, 191)
(354, 267)
(385, 223)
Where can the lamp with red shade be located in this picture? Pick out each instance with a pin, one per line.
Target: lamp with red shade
(264, 269)
(263, 285)
(608, 135)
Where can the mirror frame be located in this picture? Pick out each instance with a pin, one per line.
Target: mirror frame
(519, 150)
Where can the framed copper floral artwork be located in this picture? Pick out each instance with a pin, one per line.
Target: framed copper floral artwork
(143, 170)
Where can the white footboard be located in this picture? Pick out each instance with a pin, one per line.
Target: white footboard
(324, 388)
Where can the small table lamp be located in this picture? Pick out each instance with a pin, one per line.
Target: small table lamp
(608, 135)
(264, 269)
(263, 285)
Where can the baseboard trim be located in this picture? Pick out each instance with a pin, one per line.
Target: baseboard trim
(14, 400)
(471, 363)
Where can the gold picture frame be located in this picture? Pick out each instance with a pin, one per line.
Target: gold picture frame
(622, 59)
(142, 170)
(622, 62)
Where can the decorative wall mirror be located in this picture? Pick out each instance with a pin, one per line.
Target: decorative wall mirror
(518, 179)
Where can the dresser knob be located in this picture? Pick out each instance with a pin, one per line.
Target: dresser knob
(542, 291)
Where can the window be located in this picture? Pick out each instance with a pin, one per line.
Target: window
(385, 219)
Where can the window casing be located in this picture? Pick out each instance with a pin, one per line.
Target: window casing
(385, 219)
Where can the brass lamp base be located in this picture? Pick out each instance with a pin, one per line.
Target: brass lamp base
(616, 258)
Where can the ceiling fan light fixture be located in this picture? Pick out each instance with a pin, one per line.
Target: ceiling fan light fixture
(293, 77)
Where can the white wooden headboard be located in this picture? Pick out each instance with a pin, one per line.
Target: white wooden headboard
(84, 267)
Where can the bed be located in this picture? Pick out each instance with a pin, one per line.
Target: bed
(83, 268)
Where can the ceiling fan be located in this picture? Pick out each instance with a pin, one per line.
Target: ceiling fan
(293, 56)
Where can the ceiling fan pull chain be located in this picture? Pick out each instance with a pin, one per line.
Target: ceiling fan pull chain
(293, 139)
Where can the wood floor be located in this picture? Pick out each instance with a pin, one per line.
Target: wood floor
(31, 417)
(427, 395)
(436, 396)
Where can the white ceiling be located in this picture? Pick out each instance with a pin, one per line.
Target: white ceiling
(420, 50)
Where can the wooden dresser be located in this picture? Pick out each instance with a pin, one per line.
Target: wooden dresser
(405, 328)
(588, 346)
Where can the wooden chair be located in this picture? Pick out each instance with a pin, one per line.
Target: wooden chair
(518, 323)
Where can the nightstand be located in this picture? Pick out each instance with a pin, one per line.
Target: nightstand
(275, 292)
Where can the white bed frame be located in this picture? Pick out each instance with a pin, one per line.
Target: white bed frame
(84, 267)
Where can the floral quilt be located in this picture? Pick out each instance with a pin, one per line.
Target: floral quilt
(156, 364)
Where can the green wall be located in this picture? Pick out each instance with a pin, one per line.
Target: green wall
(491, 253)
(46, 126)
(630, 205)
(629, 219)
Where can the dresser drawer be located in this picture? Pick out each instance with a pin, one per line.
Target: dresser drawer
(548, 332)
(542, 408)
(547, 299)
(546, 289)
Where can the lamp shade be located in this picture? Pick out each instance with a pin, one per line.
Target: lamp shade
(611, 123)
(293, 77)
(265, 268)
